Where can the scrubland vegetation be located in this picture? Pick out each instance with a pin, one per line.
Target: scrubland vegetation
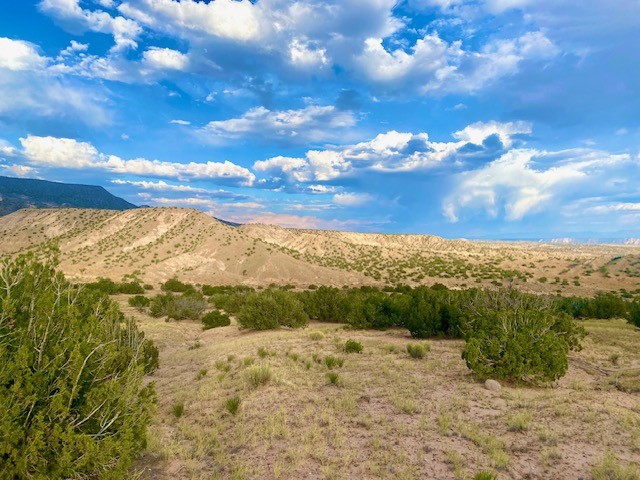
(386, 383)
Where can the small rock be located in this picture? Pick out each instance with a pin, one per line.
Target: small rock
(492, 385)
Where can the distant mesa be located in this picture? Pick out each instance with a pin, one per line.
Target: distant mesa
(19, 193)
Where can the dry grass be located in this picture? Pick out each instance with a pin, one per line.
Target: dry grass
(388, 417)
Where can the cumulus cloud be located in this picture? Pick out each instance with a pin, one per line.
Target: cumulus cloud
(165, 59)
(70, 153)
(312, 123)
(477, 132)
(433, 66)
(19, 55)
(352, 199)
(163, 186)
(518, 183)
(71, 15)
(392, 151)
(228, 19)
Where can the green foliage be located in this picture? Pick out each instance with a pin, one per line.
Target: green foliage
(178, 409)
(353, 346)
(333, 377)
(139, 301)
(188, 306)
(484, 475)
(316, 335)
(610, 468)
(272, 309)
(215, 319)
(73, 403)
(109, 287)
(176, 286)
(331, 362)
(603, 305)
(258, 376)
(634, 313)
(233, 404)
(417, 350)
(430, 313)
(522, 344)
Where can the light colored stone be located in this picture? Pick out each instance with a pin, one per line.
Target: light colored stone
(492, 385)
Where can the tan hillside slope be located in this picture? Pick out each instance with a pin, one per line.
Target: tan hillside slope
(156, 244)
(425, 259)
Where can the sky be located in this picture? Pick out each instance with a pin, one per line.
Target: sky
(489, 119)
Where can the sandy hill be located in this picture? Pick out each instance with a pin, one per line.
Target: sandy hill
(417, 259)
(155, 244)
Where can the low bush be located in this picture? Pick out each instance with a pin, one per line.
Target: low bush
(178, 409)
(353, 346)
(272, 309)
(73, 402)
(634, 313)
(333, 377)
(417, 350)
(177, 307)
(140, 302)
(521, 344)
(176, 286)
(258, 376)
(215, 319)
(233, 404)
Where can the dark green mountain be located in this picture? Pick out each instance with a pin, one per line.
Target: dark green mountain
(18, 193)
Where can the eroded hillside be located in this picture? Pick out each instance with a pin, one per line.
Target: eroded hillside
(417, 259)
(155, 244)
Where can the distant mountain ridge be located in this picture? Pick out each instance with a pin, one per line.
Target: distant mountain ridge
(19, 193)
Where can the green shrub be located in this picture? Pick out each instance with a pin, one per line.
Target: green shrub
(525, 345)
(176, 286)
(333, 377)
(272, 309)
(484, 475)
(139, 302)
(233, 404)
(130, 288)
(215, 319)
(331, 362)
(177, 307)
(610, 468)
(263, 352)
(352, 346)
(316, 335)
(417, 350)
(178, 409)
(257, 376)
(634, 313)
(73, 402)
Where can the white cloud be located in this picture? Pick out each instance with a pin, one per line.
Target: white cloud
(163, 186)
(352, 199)
(312, 123)
(387, 152)
(433, 66)
(19, 55)
(180, 122)
(18, 170)
(165, 59)
(304, 56)
(229, 19)
(69, 153)
(124, 31)
(517, 184)
(477, 132)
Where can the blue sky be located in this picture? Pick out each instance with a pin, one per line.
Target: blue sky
(462, 118)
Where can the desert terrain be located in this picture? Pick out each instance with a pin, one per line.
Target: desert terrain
(155, 244)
